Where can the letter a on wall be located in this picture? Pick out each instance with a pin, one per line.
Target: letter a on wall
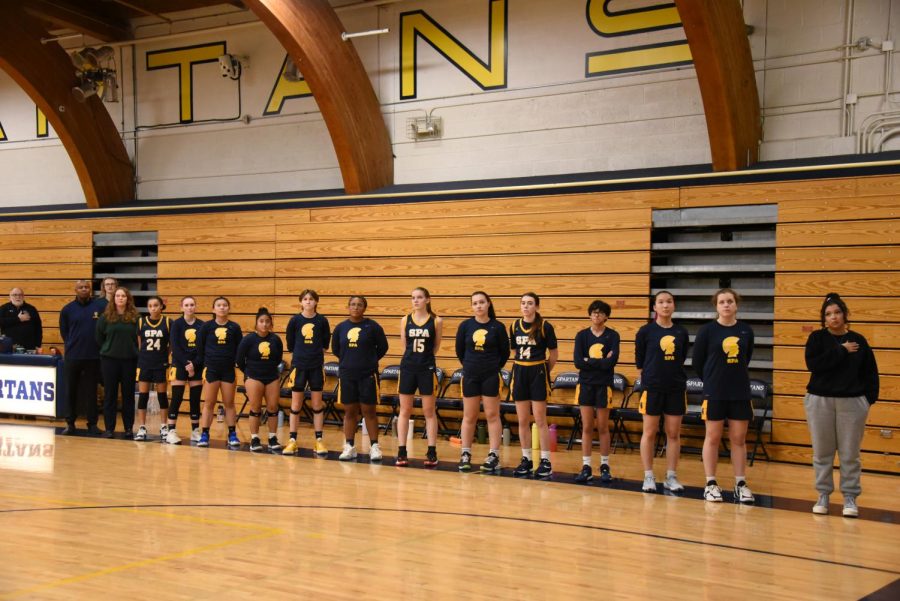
(490, 75)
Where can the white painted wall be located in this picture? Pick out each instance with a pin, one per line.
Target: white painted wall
(550, 119)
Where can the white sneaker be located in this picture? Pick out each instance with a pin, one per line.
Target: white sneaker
(821, 506)
(141, 434)
(172, 437)
(672, 484)
(163, 433)
(742, 493)
(375, 453)
(348, 454)
(712, 492)
(649, 483)
(850, 508)
(195, 434)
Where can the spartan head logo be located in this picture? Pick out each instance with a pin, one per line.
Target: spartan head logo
(596, 351)
(667, 344)
(221, 335)
(190, 336)
(307, 331)
(731, 348)
(264, 349)
(353, 336)
(479, 337)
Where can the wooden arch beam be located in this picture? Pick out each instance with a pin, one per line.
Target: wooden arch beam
(310, 31)
(86, 130)
(717, 37)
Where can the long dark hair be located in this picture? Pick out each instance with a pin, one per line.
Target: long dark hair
(428, 300)
(491, 313)
(537, 328)
(833, 298)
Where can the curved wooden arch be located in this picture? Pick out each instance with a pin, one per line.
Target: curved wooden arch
(86, 130)
(717, 36)
(310, 31)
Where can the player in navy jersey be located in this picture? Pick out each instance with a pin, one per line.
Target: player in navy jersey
(308, 335)
(660, 348)
(153, 357)
(482, 346)
(359, 344)
(722, 352)
(185, 369)
(534, 350)
(420, 335)
(217, 344)
(259, 357)
(596, 354)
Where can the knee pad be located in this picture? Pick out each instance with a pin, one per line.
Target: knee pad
(319, 410)
(172, 415)
(143, 399)
(296, 412)
(163, 399)
(255, 413)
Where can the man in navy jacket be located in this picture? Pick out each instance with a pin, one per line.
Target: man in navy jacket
(77, 326)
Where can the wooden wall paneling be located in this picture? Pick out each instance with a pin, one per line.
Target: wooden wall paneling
(839, 233)
(879, 335)
(545, 224)
(261, 250)
(633, 285)
(48, 287)
(765, 193)
(877, 185)
(427, 266)
(217, 269)
(881, 440)
(870, 283)
(844, 258)
(803, 455)
(46, 255)
(42, 241)
(882, 413)
(839, 209)
(224, 287)
(794, 383)
(500, 207)
(862, 309)
(495, 244)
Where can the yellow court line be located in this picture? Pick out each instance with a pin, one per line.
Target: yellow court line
(137, 564)
(264, 532)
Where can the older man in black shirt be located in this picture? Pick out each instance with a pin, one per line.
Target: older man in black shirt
(21, 321)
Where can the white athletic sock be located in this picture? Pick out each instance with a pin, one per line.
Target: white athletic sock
(739, 479)
(526, 453)
(604, 459)
(670, 473)
(648, 474)
(467, 450)
(545, 455)
(586, 460)
(710, 479)
(495, 452)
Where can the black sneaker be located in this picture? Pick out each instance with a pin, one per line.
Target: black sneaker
(491, 464)
(402, 459)
(605, 476)
(465, 462)
(585, 475)
(93, 430)
(544, 470)
(431, 459)
(108, 434)
(524, 469)
(255, 445)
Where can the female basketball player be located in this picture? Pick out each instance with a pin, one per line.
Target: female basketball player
(259, 357)
(843, 384)
(359, 343)
(308, 335)
(217, 345)
(660, 349)
(185, 369)
(420, 335)
(117, 338)
(722, 352)
(153, 354)
(596, 354)
(534, 350)
(482, 346)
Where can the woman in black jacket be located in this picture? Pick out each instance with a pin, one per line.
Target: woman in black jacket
(843, 384)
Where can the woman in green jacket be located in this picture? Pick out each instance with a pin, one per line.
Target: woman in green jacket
(117, 331)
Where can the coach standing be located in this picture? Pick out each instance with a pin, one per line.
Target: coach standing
(21, 321)
(77, 326)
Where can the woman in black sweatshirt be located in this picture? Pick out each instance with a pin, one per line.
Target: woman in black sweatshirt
(843, 383)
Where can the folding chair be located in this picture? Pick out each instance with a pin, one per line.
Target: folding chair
(626, 412)
(389, 379)
(759, 391)
(447, 401)
(566, 380)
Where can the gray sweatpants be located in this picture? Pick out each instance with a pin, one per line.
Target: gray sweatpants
(836, 424)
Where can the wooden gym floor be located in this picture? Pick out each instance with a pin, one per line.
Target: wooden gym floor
(86, 518)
